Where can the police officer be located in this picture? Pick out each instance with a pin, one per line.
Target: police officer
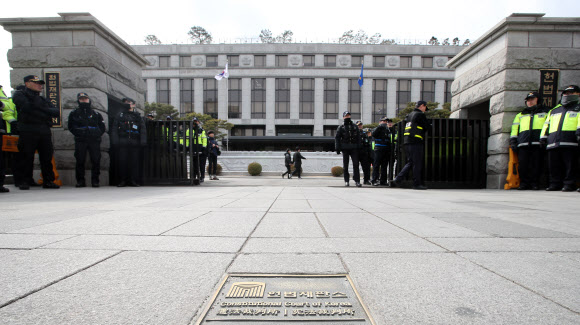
(87, 126)
(525, 141)
(288, 163)
(348, 141)
(199, 147)
(129, 134)
(298, 162)
(2, 132)
(561, 135)
(364, 154)
(382, 135)
(416, 126)
(394, 137)
(35, 115)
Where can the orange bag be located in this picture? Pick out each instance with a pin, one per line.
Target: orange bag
(10, 143)
(513, 176)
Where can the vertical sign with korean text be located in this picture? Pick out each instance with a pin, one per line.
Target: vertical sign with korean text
(53, 95)
(549, 87)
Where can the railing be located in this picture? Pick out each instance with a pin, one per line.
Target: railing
(455, 153)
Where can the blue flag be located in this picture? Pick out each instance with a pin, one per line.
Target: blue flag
(360, 79)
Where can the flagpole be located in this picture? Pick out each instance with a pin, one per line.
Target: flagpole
(228, 107)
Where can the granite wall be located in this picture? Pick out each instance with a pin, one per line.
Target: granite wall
(89, 58)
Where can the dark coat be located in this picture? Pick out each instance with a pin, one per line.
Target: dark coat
(298, 159)
(416, 126)
(287, 159)
(129, 125)
(35, 112)
(86, 124)
(347, 137)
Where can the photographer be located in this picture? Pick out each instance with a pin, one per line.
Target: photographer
(35, 115)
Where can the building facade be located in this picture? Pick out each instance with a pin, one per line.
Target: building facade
(293, 90)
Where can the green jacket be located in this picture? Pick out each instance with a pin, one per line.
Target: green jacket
(562, 127)
(9, 113)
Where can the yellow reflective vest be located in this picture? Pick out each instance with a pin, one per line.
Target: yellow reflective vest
(562, 126)
(528, 125)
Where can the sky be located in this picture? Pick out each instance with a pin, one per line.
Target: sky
(317, 21)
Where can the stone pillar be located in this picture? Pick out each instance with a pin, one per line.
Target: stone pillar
(416, 90)
(174, 61)
(367, 100)
(342, 96)
(270, 106)
(294, 98)
(319, 107)
(246, 99)
(392, 98)
(198, 95)
(175, 94)
(440, 92)
(151, 91)
(222, 86)
(89, 58)
(319, 60)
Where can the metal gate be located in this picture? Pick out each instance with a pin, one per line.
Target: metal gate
(455, 153)
(168, 158)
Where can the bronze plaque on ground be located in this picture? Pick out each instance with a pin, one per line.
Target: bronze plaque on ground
(285, 298)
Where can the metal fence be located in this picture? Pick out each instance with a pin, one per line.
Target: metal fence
(167, 156)
(455, 153)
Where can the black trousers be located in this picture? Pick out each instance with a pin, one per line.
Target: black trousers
(381, 164)
(93, 147)
(297, 171)
(288, 171)
(563, 166)
(415, 153)
(2, 165)
(212, 161)
(347, 155)
(129, 160)
(202, 161)
(365, 162)
(531, 164)
(28, 143)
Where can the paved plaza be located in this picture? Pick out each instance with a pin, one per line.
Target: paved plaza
(156, 255)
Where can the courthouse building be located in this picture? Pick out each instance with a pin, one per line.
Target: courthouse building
(295, 90)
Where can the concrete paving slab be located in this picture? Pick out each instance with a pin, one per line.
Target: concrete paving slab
(572, 256)
(28, 271)
(509, 244)
(425, 226)
(291, 206)
(502, 228)
(219, 223)
(292, 225)
(359, 225)
(119, 222)
(13, 220)
(338, 245)
(25, 241)
(445, 289)
(549, 275)
(130, 288)
(287, 264)
(560, 222)
(152, 243)
(250, 203)
(332, 206)
(210, 203)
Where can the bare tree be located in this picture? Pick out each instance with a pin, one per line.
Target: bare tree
(285, 37)
(446, 42)
(456, 41)
(360, 37)
(152, 40)
(388, 42)
(434, 41)
(266, 36)
(347, 37)
(375, 39)
(199, 35)
(467, 42)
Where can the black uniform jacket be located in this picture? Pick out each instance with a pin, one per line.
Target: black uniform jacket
(35, 112)
(347, 137)
(86, 123)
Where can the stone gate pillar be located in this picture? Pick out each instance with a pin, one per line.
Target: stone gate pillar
(89, 58)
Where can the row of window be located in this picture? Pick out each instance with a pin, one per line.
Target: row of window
(307, 61)
(260, 130)
(306, 97)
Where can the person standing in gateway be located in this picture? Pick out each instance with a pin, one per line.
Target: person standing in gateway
(35, 115)
(87, 126)
(416, 126)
